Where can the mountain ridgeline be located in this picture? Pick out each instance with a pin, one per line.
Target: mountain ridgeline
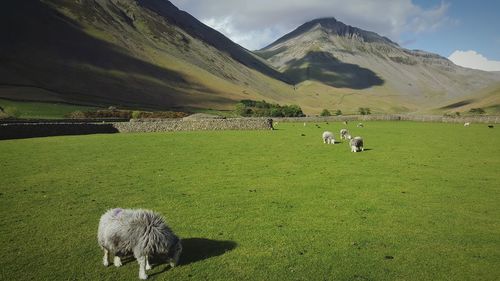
(150, 54)
(332, 53)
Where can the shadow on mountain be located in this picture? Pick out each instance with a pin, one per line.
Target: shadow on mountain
(325, 68)
(43, 48)
(457, 104)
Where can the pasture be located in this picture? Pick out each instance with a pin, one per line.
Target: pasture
(421, 203)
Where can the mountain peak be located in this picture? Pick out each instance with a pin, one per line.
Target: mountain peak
(334, 27)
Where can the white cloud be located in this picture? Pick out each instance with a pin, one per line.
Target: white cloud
(473, 59)
(256, 23)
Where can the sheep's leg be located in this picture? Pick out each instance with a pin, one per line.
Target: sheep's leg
(142, 268)
(117, 261)
(105, 259)
(148, 266)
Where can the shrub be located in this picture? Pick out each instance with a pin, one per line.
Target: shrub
(477, 110)
(136, 114)
(12, 112)
(364, 111)
(76, 115)
(338, 112)
(325, 112)
(265, 109)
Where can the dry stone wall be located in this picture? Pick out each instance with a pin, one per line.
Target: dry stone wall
(33, 130)
(393, 117)
(137, 126)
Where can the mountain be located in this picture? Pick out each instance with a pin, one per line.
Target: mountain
(366, 68)
(130, 53)
(149, 54)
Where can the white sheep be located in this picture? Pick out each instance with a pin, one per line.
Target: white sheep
(328, 137)
(142, 233)
(466, 124)
(356, 144)
(343, 134)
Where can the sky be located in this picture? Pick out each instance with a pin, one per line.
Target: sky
(467, 32)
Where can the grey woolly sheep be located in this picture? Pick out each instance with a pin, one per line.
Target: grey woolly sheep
(328, 137)
(343, 134)
(356, 144)
(142, 233)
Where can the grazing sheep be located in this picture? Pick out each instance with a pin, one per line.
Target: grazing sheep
(360, 125)
(142, 233)
(348, 137)
(328, 137)
(343, 134)
(466, 124)
(356, 144)
(345, 122)
(491, 126)
(304, 124)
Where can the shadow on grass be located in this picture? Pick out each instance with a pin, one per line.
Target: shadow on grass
(198, 249)
(193, 250)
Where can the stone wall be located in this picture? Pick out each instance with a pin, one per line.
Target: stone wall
(33, 130)
(136, 126)
(393, 117)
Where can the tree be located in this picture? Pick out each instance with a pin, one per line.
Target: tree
(477, 110)
(338, 112)
(364, 111)
(12, 112)
(325, 112)
(242, 109)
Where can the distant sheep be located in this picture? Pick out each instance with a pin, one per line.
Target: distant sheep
(491, 126)
(348, 137)
(360, 125)
(345, 122)
(356, 144)
(142, 233)
(328, 137)
(466, 124)
(343, 134)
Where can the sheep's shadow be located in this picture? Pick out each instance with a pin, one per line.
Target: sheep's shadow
(194, 250)
(198, 249)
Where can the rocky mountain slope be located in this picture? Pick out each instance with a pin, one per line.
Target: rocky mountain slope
(124, 52)
(149, 54)
(331, 53)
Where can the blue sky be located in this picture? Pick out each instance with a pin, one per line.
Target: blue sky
(476, 26)
(470, 30)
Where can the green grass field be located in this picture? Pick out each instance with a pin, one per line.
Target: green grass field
(421, 203)
(42, 110)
